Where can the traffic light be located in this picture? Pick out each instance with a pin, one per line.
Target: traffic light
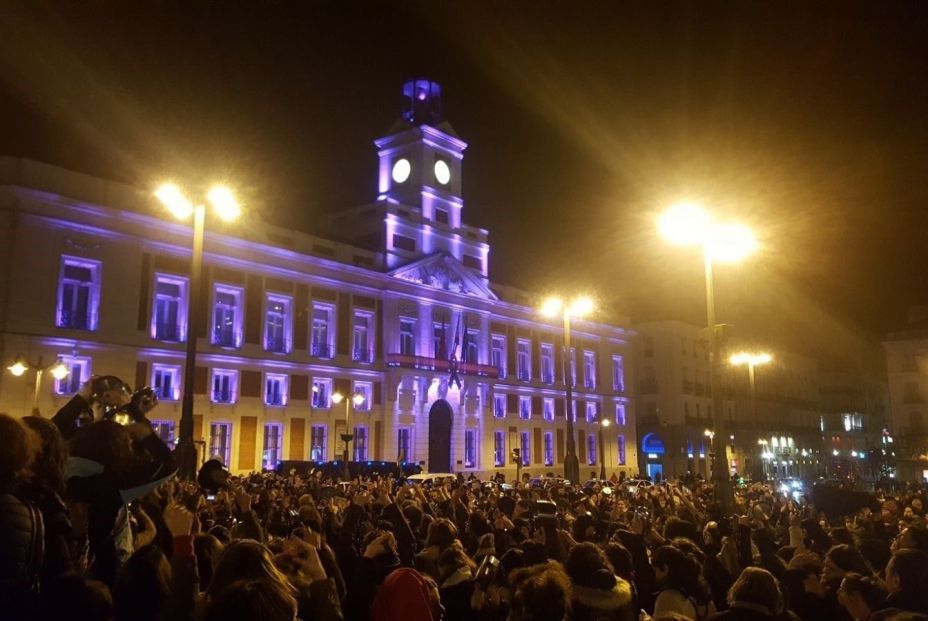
(516, 455)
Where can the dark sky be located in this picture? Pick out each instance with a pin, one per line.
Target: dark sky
(805, 120)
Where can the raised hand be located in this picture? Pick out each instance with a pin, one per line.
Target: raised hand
(178, 520)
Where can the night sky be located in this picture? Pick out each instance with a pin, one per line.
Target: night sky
(805, 120)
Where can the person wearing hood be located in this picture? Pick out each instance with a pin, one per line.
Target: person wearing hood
(456, 583)
(597, 593)
(407, 595)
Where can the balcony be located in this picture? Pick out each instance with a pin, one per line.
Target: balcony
(647, 387)
(321, 350)
(408, 361)
(277, 345)
(167, 393)
(547, 378)
(223, 396)
(75, 319)
(364, 356)
(226, 337)
(169, 332)
(274, 399)
(524, 375)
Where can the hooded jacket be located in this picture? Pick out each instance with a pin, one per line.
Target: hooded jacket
(403, 596)
(599, 604)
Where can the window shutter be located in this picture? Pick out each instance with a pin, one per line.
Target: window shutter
(537, 457)
(581, 449)
(246, 442)
(141, 374)
(251, 383)
(254, 302)
(197, 427)
(512, 404)
(344, 324)
(203, 309)
(343, 386)
(200, 380)
(378, 398)
(297, 437)
(560, 446)
(536, 355)
(558, 359)
(299, 387)
(301, 315)
(559, 408)
(145, 292)
(378, 330)
(378, 432)
(511, 351)
(536, 406)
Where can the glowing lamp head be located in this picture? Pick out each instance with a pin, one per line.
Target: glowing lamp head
(224, 203)
(750, 358)
(581, 307)
(173, 198)
(708, 433)
(60, 370)
(337, 397)
(683, 224)
(730, 243)
(552, 307)
(17, 368)
(357, 399)
(606, 422)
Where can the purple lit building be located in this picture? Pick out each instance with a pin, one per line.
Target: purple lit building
(96, 273)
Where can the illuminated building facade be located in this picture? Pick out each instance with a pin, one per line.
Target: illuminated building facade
(905, 442)
(97, 274)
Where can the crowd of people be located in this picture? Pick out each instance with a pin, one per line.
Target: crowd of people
(96, 526)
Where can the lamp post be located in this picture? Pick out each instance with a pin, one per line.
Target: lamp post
(348, 436)
(752, 360)
(603, 423)
(226, 208)
(58, 370)
(579, 307)
(688, 224)
(764, 456)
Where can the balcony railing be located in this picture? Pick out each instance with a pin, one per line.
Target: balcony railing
(277, 345)
(75, 319)
(226, 337)
(547, 378)
(274, 399)
(364, 356)
(223, 396)
(321, 350)
(168, 393)
(170, 332)
(589, 383)
(524, 375)
(437, 364)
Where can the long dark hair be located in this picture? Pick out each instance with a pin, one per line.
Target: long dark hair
(682, 571)
(105, 442)
(48, 468)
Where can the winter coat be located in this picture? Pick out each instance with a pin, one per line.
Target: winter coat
(21, 554)
(455, 594)
(59, 536)
(744, 611)
(899, 601)
(671, 600)
(403, 596)
(592, 604)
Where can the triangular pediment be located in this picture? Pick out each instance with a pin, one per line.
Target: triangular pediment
(442, 271)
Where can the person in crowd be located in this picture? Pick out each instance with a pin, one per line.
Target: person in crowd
(678, 581)
(861, 595)
(456, 582)
(755, 595)
(597, 593)
(907, 583)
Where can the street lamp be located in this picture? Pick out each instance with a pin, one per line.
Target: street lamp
(711, 435)
(688, 224)
(603, 423)
(58, 370)
(225, 206)
(554, 307)
(764, 455)
(752, 360)
(348, 436)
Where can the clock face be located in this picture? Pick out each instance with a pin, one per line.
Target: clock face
(442, 172)
(401, 170)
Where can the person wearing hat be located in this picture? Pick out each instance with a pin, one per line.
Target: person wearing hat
(597, 593)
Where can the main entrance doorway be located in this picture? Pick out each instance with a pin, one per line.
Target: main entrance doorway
(440, 416)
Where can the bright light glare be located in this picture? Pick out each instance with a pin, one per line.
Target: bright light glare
(17, 368)
(224, 203)
(357, 399)
(60, 370)
(708, 433)
(552, 307)
(337, 397)
(581, 306)
(752, 358)
(730, 242)
(684, 224)
(173, 198)
(606, 422)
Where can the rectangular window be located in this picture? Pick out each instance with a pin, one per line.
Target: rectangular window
(547, 363)
(619, 413)
(277, 322)
(621, 448)
(525, 448)
(572, 365)
(525, 408)
(273, 445)
(317, 437)
(470, 448)
(472, 262)
(225, 384)
(404, 445)
(275, 389)
(440, 341)
(498, 354)
(407, 336)
(592, 411)
(401, 242)
(499, 406)
(524, 360)
(360, 443)
(499, 448)
(441, 216)
(322, 392)
(589, 369)
(165, 379)
(548, 408)
(591, 449)
(78, 294)
(220, 442)
(169, 309)
(471, 346)
(227, 316)
(366, 390)
(321, 344)
(618, 374)
(362, 338)
(549, 448)
(78, 373)
(164, 429)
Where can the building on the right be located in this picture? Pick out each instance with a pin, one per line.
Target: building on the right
(906, 439)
